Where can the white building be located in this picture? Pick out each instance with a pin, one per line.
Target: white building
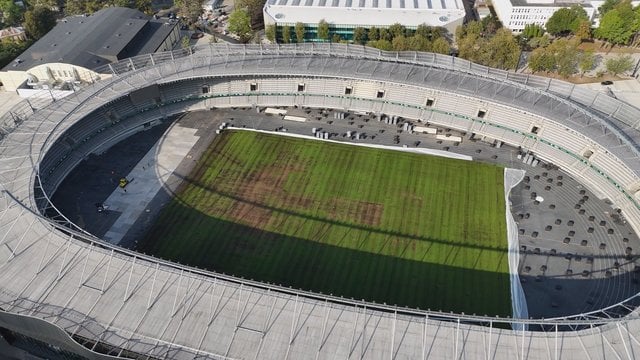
(345, 15)
(515, 14)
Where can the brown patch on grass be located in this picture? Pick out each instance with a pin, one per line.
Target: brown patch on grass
(259, 186)
(361, 212)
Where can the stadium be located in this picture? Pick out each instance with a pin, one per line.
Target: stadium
(73, 295)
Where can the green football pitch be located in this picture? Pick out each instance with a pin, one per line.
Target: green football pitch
(381, 225)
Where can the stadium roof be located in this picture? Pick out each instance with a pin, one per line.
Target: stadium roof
(91, 41)
(366, 12)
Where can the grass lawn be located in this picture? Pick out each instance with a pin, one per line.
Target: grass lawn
(381, 225)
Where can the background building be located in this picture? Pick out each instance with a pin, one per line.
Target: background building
(345, 15)
(516, 14)
(77, 45)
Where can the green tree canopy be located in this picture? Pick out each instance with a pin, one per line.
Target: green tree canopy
(586, 62)
(381, 44)
(144, 6)
(400, 43)
(270, 32)
(583, 32)
(396, 30)
(385, 34)
(441, 46)
(608, 5)
(191, 9)
(240, 24)
(491, 24)
(11, 13)
(428, 32)
(360, 35)
(300, 31)
(323, 30)
(9, 50)
(373, 34)
(542, 41)
(619, 25)
(419, 43)
(185, 42)
(286, 34)
(502, 51)
(619, 64)
(75, 7)
(254, 8)
(541, 60)
(532, 31)
(566, 20)
(39, 21)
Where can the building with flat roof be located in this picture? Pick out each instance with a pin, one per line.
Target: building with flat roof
(79, 44)
(345, 15)
(516, 14)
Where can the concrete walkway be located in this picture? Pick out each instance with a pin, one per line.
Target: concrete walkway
(147, 178)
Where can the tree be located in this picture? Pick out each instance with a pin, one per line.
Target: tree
(270, 32)
(336, 38)
(619, 25)
(400, 43)
(74, 7)
(300, 32)
(491, 24)
(254, 8)
(423, 30)
(38, 22)
(9, 50)
(419, 43)
(619, 64)
(185, 42)
(502, 51)
(50, 4)
(381, 44)
(586, 62)
(532, 31)
(11, 13)
(120, 3)
(144, 6)
(385, 34)
(240, 24)
(191, 9)
(440, 46)
(359, 35)
(541, 60)
(566, 20)
(374, 34)
(566, 55)
(323, 30)
(286, 34)
(471, 46)
(608, 5)
(542, 41)
(396, 30)
(583, 32)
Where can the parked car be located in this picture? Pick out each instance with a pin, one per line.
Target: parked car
(607, 82)
(197, 35)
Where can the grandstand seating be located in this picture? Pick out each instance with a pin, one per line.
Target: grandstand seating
(551, 129)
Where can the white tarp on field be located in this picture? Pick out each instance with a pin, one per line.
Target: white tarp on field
(407, 149)
(518, 301)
